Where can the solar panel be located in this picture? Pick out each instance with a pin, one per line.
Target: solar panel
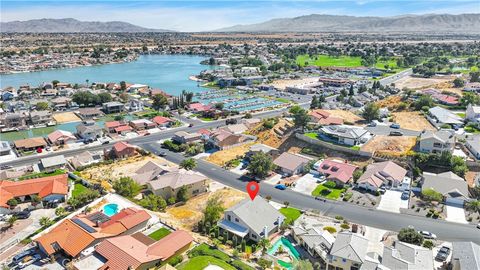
(83, 225)
(98, 217)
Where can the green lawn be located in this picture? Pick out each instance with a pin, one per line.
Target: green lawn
(206, 250)
(329, 61)
(41, 174)
(461, 115)
(200, 262)
(78, 189)
(159, 234)
(206, 119)
(312, 135)
(321, 190)
(290, 213)
(283, 100)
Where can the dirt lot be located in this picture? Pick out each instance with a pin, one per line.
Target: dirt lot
(221, 157)
(419, 83)
(412, 120)
(186, 216)
(282, 84)
(106, 173)
(390, 145)
(347, 116)
(272, 137)
(390, 102)
(66, 117)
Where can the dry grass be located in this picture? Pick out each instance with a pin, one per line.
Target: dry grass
(390, 145)
(347, 116)
(270, 137)
(412, 120)
(419, 83)
(66, 117)
(390, 102)
(186, 216)
(221, 157)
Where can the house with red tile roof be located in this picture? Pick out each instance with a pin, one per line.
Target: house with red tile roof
(339, 172)
(198, 107)
(122, 150)
(161, 121)
(74, 235)
(48, 188)
(112, 125)
(61, 137)
(139, 251)
(324, 118)
(124, 129)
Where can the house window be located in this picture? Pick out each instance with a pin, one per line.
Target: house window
(229, 218)
(236, 220)
(254, 236)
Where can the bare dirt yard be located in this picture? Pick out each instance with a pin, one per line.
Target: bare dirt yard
(412, 82)
(390, 145)
(347, 116)
(105, 174)
(221, 157)
(186, 216)
(412, 120)
(66, 117)
(272, 137)
(390, 102)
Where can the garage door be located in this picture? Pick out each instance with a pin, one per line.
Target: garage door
(454, 202)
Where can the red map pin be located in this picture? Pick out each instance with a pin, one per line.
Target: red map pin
(252, 189)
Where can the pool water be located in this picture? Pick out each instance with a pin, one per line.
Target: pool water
(110, 209)
(288, 247)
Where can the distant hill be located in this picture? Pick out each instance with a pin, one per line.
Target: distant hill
(71, 25)
(463, 23)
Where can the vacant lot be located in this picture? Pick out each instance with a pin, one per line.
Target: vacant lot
(221, 157)
(347, 116)
(390, 145)
(412, 121)
(282, 84)
(186, 216)
(66, 117)
(390, 102)
(419, 83)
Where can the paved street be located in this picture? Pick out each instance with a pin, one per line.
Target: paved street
(379, 219)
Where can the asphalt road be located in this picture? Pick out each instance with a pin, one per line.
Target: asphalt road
(396, 77)
(371, 217)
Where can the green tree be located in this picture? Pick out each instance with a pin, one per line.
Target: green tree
(423, 101)
(265, 244)
(295, 109)
(153, 202)
(41, 106)
(458, 82)
(314, 103)
(264, 263)
(260, 165)
(213, 210)
(104, 97)
(431, 195)
(182, 194)
(458, 165)
(219, 106)
(409, 235)
(371, 111)
(45, 221)
(301, 119)
(188, 164)
(159, 101)
(351, 92)
(302, 265)
(12, 202)
(473, 205)
(470, 98)
(428, 244)
(475, 76)
(126, 187)
(60, 211)
(55, 83)
(123, 86)
(11, 221)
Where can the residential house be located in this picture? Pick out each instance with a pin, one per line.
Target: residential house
(324, 118)
(49, 189)
(465, 256)
(453, 187)
(170, 183)
(53, 163)
(6, 95)
(382, 174)
(252, 219)
(113, 107)
(198, 107)
(5, 148)
(223, 139)
(122, 150)
(135, 105)
(61, 137)
(291, 164)
(161, 121)
(86, 158)
(349, 251)
(30, 144)
(472, 143)
(251, 122)
(472, 87)
(74, 235)
(112, 125)
(123, 130)
(61, 103)
(472, 114)
(13, 120)
(315, 241)
(150, 171)
(40, 117)
(347, 135)
(439, 117)
(139, 251)
(407, 256)
(339, 172)
(256, 148)
(436, 142)
(185, 137)
(335, 82)
(142, 124)
(236, 128)
(89, 131)
(89, 113)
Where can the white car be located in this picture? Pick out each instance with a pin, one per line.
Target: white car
(427, 235)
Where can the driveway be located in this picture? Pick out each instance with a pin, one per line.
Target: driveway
(274, 179)
(306, 184)
(391, 201)
(455, 214)
(241, 169)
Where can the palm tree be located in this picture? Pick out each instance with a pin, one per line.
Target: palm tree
(473, 205)
(45, 221)
(265, 244)
(11, 221)
(60, 211)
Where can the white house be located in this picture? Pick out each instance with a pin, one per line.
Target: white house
(436, 142)
(472, 114)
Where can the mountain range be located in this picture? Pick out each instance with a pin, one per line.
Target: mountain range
(464, 23)
(70, 25)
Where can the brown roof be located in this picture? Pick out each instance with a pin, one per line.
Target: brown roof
(30, 143)
(290, 161)
(43, 187)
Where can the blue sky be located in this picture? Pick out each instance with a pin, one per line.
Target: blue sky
(208, 15)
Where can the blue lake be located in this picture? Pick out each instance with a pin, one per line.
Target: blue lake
(167, 72)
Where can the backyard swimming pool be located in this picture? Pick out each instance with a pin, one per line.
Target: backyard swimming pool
(110, 209)
(285, 252)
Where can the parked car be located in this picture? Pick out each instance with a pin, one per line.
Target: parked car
(5, 167)
(22, 215)
(372, 124)
(427, 235)
(442, 254)
(191, 125)
(478, 226)
(163, 154)
(281, 187)
(32, 259)
(405, 195)
(20, 256)
(396, 133)
(395, 125)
